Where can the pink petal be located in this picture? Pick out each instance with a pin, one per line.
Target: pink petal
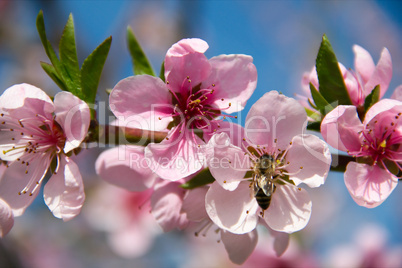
(24, 100)
(227, 163)
(369, 185)
(15, 180)
(234, 211)
(10, 140)
(290, 209)
(142, 99)
(185, 72)
(281, 242)
(176, 157)
(187, 46)
(186, 59)
(235, 79)
(275, 117)
(166, 203)
(397, 95)
(354, 88)
(382, 74)
(364, 64)
(340, 128)
(6, 218)
(308, 78)
(239, 246)
(235, 132)
(126, 167)
(380, 107)
(73, 116)
(194, 204)
(309, 159)
(64, 192)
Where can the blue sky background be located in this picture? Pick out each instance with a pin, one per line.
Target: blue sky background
(283, 37)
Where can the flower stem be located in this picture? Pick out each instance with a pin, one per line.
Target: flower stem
(114, 135)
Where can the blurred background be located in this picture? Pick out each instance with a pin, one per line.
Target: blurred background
(283, 37)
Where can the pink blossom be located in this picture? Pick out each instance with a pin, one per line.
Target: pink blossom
(376, 145)
(125, 217)
(126, 167)
(196, 92)
(362, 81)
(274, 128)
(36, 132)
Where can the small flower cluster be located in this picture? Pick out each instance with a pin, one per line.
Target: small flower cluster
(190, 108)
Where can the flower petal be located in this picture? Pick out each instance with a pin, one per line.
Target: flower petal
(19, 182)
(175, 157)
(239, 246)
(126, 167)
(187, 46)
(234, 211)
(309, 159)
(228, 164)
(235, 132)
(290, 209)
(235, 79)
(340, 128)
(397, 95)
(274, 120)
(364, 64)
(194, 204)
(6, 218)
(25, 101)
(166, 203)
(382, 74)
(64, 192)
(186, 59)
(281, 242)
(380, 107)
(73, 116)
(142, 99)
(369, 185)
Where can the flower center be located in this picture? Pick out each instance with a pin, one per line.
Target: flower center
(30, 139)
(195, 105)
(380, 143)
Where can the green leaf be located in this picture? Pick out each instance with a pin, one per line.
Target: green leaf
(372, 98)
(140, 61)
(315, 126)
(51, 71)
(68, 58)
(323, 106)
(92, 69)
(162, 72)
(40, 25)
(313, 114)
(332, 86)
(203, 178)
